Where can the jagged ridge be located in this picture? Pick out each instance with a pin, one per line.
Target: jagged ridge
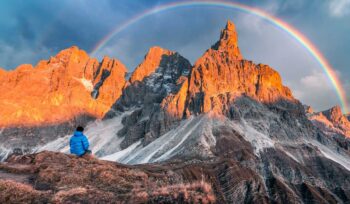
(60, 89)
(221, 75)
(332, 121)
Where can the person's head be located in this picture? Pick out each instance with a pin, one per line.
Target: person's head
(80, 129)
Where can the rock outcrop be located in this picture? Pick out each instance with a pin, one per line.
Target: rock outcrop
(59, 89)
(332, 121)
(161, 74)
(308, 109)
(221, 75)
(228, 43)
(152, 61)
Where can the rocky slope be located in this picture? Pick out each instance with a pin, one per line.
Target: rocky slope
(162, 73)
(224, 120)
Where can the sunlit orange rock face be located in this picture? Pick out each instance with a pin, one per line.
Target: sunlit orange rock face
(228, 43)
(221, 75)
(59, 89)
(2, 72)
(151, 62)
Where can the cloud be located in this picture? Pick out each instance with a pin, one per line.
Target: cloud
(339, 8)
(316, 81)
(347, 91)
(299, 71)
(22, 53)
(316, 90)
(30, 31)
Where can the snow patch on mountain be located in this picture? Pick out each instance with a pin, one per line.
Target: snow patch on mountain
(168, 153)
(166, 146)
(86, 83)
(123, 153)
(193, 136)
(102, 135)
(4, 153)
(259, 140)
(162, 80)
(332, 154)
(291, 156)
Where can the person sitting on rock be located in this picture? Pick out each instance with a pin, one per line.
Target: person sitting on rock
(79, 144)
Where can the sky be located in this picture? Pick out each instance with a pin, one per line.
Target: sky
(37, 29)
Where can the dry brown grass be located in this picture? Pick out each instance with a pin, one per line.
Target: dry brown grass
(197, 192)
(13, 192)
(69, 179)
(83, 195)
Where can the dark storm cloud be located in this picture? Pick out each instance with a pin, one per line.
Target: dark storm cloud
(52, 26)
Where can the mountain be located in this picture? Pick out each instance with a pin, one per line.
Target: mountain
(224, 122)
(66, 86)
(222, 93)
(221, 76)
(332, 122)
(41, 103)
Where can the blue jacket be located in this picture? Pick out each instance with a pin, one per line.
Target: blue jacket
(78, 143)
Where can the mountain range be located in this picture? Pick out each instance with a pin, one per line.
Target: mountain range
(224, 126)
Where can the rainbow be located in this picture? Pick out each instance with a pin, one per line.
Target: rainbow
(293, 32)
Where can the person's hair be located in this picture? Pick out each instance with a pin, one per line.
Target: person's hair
(80, 129)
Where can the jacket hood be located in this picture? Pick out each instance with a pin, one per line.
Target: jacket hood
(78, 134)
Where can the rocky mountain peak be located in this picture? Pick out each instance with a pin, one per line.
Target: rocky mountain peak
(333, 114)
(159, 76)
(332, 121)
(70, 55)
(228, 42)
(74, 50)
(153, 60)
(308, 109)
(220, 77)
(66, 86)
(230, 26)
